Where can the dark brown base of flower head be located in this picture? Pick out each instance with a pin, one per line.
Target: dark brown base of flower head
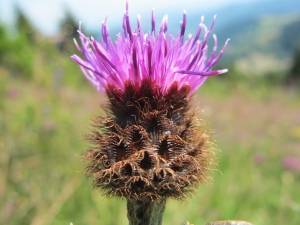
(145, 211)
(148, 146)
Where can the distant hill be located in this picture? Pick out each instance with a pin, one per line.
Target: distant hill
(263, 34)
(269, 39)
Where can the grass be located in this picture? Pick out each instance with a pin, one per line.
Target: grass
(42, 126)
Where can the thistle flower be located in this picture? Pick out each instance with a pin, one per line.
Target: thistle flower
(148, 146)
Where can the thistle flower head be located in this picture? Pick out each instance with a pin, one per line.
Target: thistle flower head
(149, 144)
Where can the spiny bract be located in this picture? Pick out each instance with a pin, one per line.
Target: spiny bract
(147, 144)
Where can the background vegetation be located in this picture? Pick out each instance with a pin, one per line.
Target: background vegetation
(45, 107)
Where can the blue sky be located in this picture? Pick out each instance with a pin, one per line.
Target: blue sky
(46, 14)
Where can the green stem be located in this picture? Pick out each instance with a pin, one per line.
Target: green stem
(145, 212)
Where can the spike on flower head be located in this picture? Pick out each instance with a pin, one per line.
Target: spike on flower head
(149, 145)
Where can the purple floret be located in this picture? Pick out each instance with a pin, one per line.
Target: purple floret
(136, 56)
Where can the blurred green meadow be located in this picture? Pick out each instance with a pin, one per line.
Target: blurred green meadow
(45, 108)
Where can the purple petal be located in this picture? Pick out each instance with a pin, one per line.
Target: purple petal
(135, 56)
